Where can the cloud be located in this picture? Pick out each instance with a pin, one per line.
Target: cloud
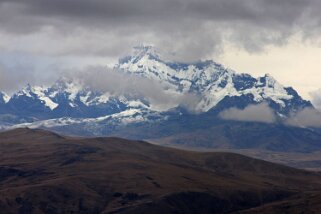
(15, 77)
(188, 30)
(119, 83)
(316, 98)
(17, 70)
(252, 113)
(193, 28)
(307, 117)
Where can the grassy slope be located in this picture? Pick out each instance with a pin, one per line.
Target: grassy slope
(42, 172)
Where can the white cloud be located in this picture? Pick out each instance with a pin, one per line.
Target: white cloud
(307, 117)
(252, 113)
(316, 98)
(119, 83)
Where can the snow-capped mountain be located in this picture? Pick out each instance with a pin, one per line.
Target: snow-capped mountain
(212, 81)
(69, 102)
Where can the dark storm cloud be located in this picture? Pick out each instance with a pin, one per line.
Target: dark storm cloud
(258, 10)
(193, 28)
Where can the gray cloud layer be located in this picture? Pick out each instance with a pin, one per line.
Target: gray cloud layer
(194, 28)
(316, 98)
(252, 113)
(191, 29)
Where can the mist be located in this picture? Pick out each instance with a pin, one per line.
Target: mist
(308, 117)
(252, 113)
(118, 83)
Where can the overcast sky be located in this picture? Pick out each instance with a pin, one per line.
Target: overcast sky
(40, 39)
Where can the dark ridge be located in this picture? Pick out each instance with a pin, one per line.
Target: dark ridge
(114, 175)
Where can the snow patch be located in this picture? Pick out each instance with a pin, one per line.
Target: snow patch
(40, 92)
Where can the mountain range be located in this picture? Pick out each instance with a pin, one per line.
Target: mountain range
(197, 94)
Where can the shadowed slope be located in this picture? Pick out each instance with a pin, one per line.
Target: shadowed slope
(42, 172)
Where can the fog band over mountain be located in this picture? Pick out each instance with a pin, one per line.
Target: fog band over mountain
(252, 113)
(119, 83)
(307, 117)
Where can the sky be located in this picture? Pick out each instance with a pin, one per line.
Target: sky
(40, 40)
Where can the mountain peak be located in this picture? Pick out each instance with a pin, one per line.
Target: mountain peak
(145, 48)
(140, 52)
(270, 81)
(25, 91)
(214, 81)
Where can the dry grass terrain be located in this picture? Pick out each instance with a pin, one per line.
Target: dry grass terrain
(42, 172)
(303, 160)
